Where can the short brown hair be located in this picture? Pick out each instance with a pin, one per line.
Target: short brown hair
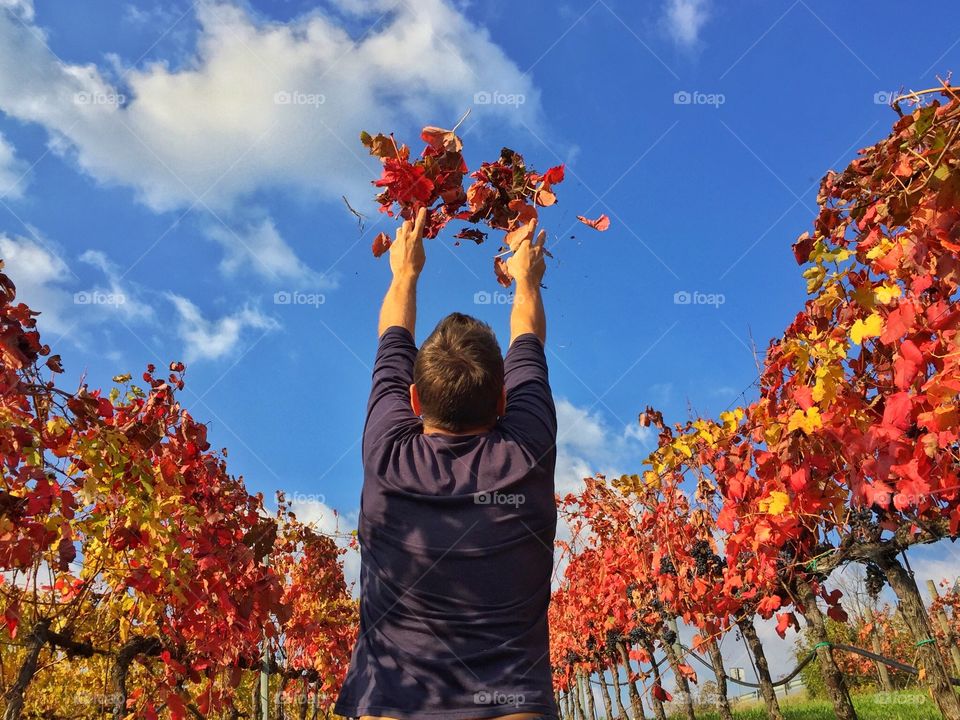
(459, 374)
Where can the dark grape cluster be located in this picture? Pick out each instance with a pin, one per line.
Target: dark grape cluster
(864, 524)
(874, 581)
(708, 563)
(669, 637)
(666, 567)
(637, 636)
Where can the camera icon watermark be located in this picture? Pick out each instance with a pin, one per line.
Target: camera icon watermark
(483, 297)
(495, 97)
(296, 97)
(497, 697)
(295, 297)
(684, 97)
(96, 297)
(884, 97)
(685, 297)
(498, 498)
(109, 99)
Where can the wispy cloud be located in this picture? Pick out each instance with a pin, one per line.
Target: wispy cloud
(684, 20)
(205, 339)
(12, 170)
(259, 248)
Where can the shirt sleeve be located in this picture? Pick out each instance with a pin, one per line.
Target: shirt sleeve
(530, 416)
(389, 415)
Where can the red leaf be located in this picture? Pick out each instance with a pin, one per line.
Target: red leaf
(440, 139)
(554, 175)
(601, 223)
(660, 694)
(785, 620)
(906, 367)
(381, 243)
(104, 408)
(178, 709)
(768, 605)
(897, 410)
(54, 363)
(478, 236)
(899, 322)
(835, 612)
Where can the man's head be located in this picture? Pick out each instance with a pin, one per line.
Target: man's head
(458, 376)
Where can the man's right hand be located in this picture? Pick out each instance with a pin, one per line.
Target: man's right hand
(527, 264)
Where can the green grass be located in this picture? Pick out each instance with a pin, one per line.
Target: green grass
(902, 705)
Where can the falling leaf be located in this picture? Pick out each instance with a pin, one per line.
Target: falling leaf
(478, 236)
(601, 223)
(381, 243)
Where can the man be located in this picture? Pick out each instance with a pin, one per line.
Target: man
(457, 516)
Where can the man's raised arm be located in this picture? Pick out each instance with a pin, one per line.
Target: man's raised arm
(406, 261)
(527, 266)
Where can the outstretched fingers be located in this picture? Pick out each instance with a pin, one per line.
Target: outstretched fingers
(421, 222)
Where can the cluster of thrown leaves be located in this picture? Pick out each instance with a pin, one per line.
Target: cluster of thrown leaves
(504, 195)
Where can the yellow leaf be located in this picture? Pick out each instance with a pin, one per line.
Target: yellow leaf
(651, 479)
(814, 276)
(871, 327)
(880, 249)
(772, 432)
(886, 293)
(775, 503)
(807, 421)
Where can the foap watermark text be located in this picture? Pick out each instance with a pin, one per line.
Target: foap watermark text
(686, 297)
(695, 97)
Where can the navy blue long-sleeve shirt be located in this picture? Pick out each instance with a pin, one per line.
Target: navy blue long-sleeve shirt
(456, 536)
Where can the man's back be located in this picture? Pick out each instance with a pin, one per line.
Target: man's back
(457, 538)
(457, 515)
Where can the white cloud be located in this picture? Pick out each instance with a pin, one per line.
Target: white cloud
(213, 339)
(211, 131)
(40, 275)
(587, 445)
(23, 9)
(327, 520)
(68, 308)
(260, 247)
(11, 171)
(685, 19)
(125, 297)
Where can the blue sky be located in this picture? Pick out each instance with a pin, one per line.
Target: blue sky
(158, 195)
